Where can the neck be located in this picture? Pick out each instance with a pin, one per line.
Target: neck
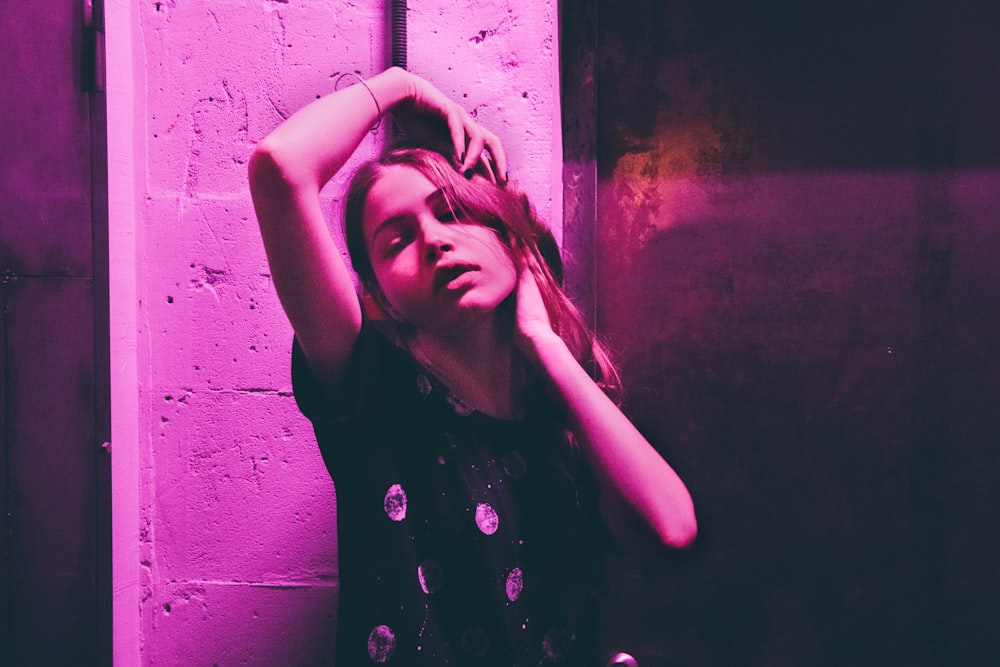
(475, 365)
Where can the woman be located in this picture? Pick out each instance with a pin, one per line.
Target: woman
(475, 458)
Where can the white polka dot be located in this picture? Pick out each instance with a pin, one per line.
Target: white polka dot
(431, 576)
(395, 503)
(381, 644)
(486, 518)
(515, 584)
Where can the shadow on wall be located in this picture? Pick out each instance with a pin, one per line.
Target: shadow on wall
(796, 262)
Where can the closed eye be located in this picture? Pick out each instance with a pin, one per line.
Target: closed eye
(395, 242)
(449, 214)
(443, 208)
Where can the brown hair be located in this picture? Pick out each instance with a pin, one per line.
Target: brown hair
(507, 211)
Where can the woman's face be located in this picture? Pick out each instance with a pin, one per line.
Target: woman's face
(435, 270)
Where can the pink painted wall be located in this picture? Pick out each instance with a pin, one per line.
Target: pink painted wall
(236, 539)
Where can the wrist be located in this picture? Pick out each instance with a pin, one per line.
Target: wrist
(541, 345)
(391, 87)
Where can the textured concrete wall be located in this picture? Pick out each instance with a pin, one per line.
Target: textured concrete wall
(238, 544)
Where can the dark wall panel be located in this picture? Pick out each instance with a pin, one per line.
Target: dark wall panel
(45, 134)
(51, 472)
(795, 259)
(53, 611)
(4, 495)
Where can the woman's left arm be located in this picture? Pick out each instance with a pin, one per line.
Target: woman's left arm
(631, 473)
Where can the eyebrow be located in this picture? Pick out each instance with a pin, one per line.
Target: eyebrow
(430, 200)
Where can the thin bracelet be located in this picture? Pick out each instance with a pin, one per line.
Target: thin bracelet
(378, 106)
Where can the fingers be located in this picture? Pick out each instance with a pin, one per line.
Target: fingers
(499, 159)
(534, 266)
(492, 160)
(474, 143)
(476, 148)
(456, 127)
(528, 268)
(532, 311)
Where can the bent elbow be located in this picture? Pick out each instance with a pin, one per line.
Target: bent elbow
(681, 536)
(264, 163)
(680, 530)
(274, 173)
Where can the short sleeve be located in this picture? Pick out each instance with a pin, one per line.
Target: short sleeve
(365, 371)
(313, 401)
(342, 423)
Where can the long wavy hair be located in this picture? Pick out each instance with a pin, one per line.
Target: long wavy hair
(507, 211)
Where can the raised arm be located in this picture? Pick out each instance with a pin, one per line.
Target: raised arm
(638, 487)
(287, 171)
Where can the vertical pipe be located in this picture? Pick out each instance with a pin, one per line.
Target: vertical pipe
(398, 9)
(398, 36)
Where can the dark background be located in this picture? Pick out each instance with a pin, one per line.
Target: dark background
(795, 256)
(55, 476)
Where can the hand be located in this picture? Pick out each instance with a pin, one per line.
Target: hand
(532, 322)
(431, 120)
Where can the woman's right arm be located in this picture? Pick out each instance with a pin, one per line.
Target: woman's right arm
(290, 167)
(287, 171)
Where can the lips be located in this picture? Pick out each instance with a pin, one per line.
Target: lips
(445, 274)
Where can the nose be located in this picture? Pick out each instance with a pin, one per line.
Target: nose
(437, 240)
(434, 251)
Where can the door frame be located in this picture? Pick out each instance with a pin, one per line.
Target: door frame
(124, 87)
